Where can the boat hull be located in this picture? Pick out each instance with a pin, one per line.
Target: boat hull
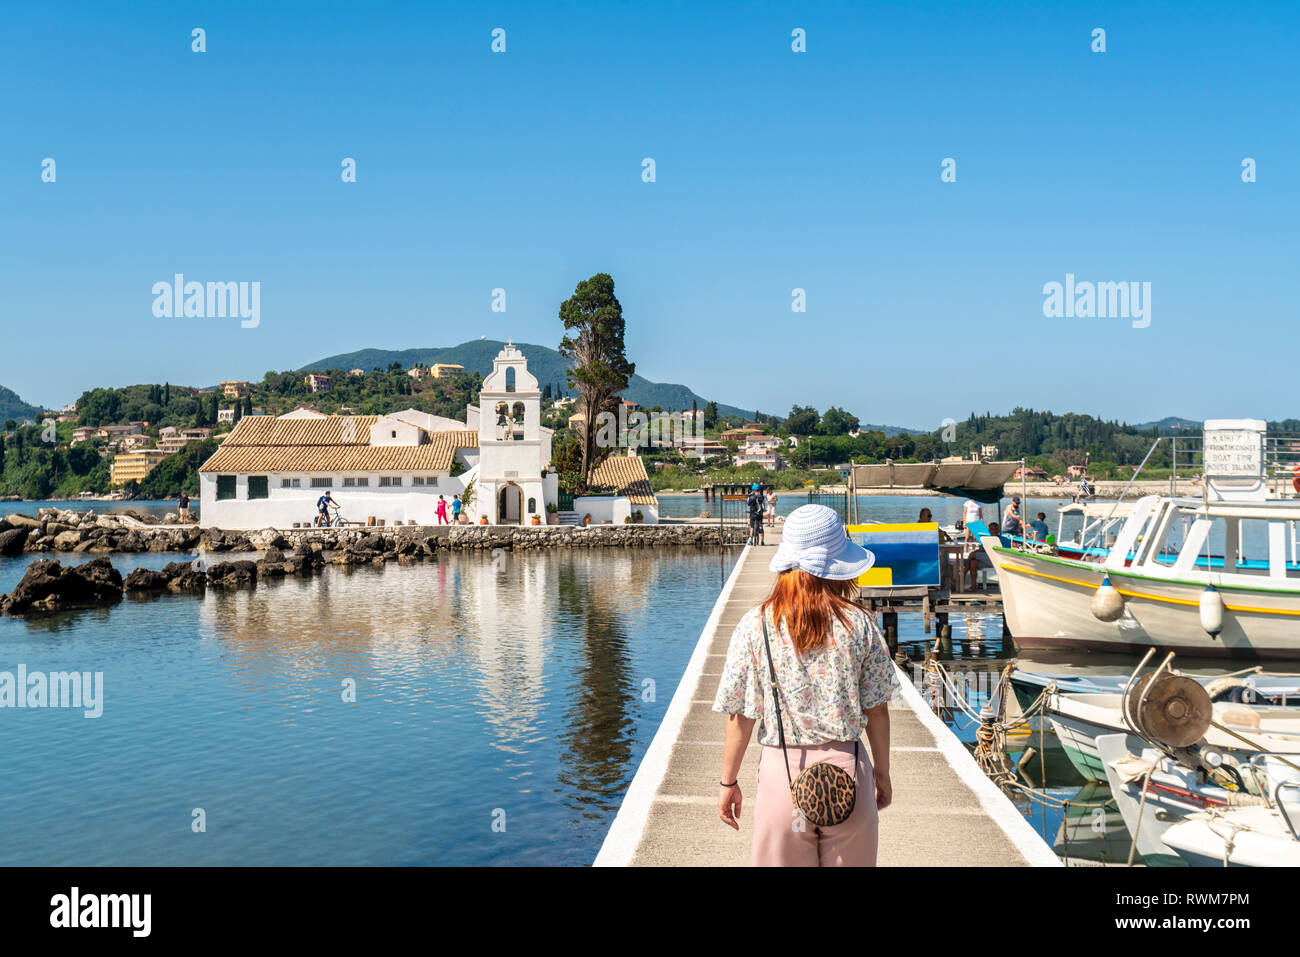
(1170, 801)
(1047, 604)
(1078, 739)
(1245, 837)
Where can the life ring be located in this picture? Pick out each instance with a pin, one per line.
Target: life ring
(1295, 478)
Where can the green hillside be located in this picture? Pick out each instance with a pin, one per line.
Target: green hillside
(545, 363)
(12, 407)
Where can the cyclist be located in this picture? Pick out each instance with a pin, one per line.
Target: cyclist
(323, 507)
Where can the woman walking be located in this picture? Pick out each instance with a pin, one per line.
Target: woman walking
(812, 670)
(442, 510)
(771, 507)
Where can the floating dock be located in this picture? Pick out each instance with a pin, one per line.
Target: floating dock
(945, 811)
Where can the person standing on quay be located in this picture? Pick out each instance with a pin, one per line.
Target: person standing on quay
(756, 505)
(812, 670)
(970, 512)
(183, 508)
(455, 509)
(442, 510)
(771, 507)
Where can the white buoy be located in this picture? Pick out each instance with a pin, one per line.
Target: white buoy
(1211, 605)
(1107, 603)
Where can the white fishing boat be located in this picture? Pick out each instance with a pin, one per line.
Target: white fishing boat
(1080, 719)
(1239, 837)
(1099, 525)
(1217, 576)
(1152, 793)
(1252, 687)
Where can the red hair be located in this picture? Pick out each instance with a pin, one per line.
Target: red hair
(807, 604)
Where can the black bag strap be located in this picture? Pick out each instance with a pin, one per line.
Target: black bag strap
(776, 696)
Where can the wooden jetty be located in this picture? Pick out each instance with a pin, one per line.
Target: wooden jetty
(946, 812)
(934, 603)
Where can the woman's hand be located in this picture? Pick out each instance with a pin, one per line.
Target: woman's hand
(729, 799)
(884, 791)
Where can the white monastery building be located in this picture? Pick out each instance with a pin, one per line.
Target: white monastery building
(270, 471)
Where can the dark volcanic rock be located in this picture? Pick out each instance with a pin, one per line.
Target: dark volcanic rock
(12, 540)
(233, 574)
(50, 586)
(145, 579)
(181, 576)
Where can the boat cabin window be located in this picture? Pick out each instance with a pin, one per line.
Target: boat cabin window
(1168, 539)
(1268, 548)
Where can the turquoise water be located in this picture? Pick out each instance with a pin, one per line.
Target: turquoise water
(519, 692)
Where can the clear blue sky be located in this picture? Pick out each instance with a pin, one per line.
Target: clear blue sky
(775, 170)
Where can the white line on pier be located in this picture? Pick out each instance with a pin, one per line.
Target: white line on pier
(625, 832)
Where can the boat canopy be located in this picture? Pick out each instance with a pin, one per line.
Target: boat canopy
(1105, 509)
(982, 481)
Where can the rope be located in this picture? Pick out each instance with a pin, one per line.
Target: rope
(1146, 782)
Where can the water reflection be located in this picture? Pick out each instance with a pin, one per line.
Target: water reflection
(481, 684)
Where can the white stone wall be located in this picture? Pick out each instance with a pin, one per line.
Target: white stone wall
(613, 509)
(288, 505)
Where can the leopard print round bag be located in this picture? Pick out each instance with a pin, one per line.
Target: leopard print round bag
(825, 793)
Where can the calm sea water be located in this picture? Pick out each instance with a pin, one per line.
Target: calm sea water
(500, 712)
(144, 507)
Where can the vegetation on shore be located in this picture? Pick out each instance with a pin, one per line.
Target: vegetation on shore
(814, 445)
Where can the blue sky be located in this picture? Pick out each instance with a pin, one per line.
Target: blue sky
(775, 170)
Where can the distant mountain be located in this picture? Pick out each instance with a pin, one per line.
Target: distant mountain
(545, 363)
(1169, 424)
(12, 407)
(891, 430)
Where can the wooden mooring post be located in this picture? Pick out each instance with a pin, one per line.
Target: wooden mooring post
(935, 604)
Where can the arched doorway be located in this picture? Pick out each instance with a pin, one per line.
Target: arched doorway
(509, 504)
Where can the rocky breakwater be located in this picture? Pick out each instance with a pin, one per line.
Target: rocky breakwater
(350, 546)
(63, 530)
(48, 586)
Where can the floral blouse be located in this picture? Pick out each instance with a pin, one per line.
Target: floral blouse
(824, 692)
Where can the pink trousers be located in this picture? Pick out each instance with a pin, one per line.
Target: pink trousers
(783, 839)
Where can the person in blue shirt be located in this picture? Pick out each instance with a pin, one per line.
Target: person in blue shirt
(456, 506)
(323, 507)
(1039, 527)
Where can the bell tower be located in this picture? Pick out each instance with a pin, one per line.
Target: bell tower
(510, 404)
(514, 450)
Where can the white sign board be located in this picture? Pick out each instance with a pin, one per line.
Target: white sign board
(1234, 453)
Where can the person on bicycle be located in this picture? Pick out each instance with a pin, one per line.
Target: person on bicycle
(323, 507)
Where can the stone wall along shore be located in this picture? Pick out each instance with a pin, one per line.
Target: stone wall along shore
(59, 530)
(49, 585)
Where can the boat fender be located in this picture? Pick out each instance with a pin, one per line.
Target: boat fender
(1211, 605)
(1107, 603)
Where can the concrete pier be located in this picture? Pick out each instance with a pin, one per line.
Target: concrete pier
(945, 811)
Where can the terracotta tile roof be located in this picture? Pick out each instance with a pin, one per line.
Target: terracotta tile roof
(336, 443)
(328, 430)
(624, 475)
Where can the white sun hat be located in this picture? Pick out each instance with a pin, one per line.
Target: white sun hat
(813, 540)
